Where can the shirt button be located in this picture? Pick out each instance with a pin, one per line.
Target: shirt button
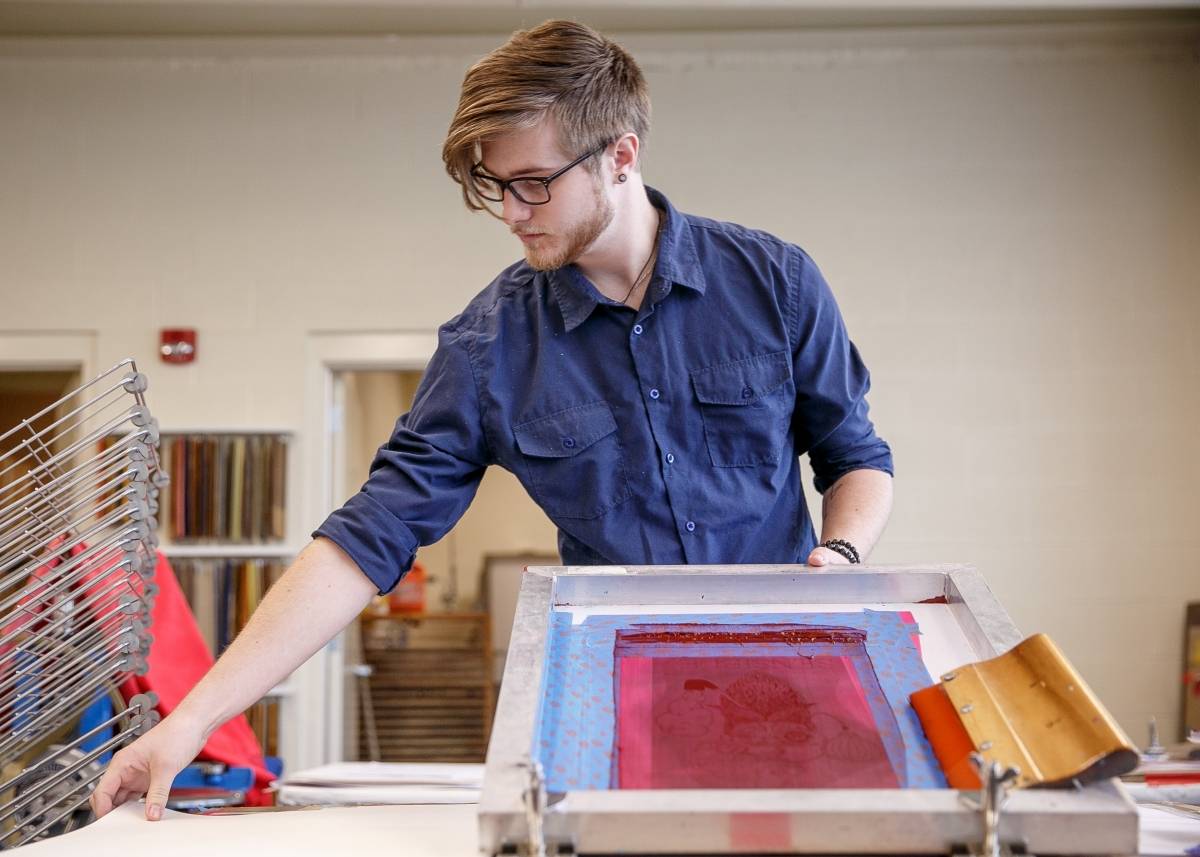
(747, 392)
(637, 328)
(670, 458)
(654, 394)
(690, 526)
(569, 442)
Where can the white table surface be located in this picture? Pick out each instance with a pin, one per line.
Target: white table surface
(397, 831)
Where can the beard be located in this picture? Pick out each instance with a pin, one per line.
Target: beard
(556, 250)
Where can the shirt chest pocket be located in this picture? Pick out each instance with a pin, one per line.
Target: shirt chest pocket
(747, 407)
(572, 461)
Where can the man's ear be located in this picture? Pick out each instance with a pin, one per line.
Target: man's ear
(625, 153)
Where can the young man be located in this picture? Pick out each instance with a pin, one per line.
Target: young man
(650, 377)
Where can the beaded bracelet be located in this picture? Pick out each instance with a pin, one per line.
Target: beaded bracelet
(843, 547)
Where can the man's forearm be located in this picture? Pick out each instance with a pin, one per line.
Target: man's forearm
(317, 596)
(856, 508)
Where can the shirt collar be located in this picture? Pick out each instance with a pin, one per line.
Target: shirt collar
(677, 264)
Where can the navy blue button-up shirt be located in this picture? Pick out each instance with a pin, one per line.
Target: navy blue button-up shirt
(670, 435)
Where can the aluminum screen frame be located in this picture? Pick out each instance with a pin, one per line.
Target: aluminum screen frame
(1098, 819)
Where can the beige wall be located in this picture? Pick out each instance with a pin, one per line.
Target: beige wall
(1009, 218)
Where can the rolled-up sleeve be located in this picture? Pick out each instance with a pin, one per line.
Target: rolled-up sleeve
(422, 480)
(830, 421)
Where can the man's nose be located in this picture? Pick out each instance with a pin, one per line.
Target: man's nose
(515, 211)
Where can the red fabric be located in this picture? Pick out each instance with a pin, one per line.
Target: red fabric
(178, 656)
(93, 591)
(37, 589)
(746, 722)
(178, 659)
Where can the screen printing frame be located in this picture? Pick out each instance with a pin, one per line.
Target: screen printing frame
(1097, 819)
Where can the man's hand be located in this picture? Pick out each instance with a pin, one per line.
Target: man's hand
(824, 556)
(148, 766)
(317, 596)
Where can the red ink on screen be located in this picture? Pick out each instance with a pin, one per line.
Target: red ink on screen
(745, 707)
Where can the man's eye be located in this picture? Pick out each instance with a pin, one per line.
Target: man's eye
(530, 190)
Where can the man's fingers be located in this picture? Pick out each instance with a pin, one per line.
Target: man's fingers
(106, 789)
(100, 805)
(154, 808)
(156, 795)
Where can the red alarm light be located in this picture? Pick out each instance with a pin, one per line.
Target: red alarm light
(178, 344)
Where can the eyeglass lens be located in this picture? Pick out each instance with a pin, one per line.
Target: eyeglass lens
(528, 191)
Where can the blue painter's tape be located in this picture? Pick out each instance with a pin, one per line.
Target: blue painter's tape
(577, 726)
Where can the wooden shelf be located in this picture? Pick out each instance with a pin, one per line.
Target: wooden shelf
(271, 432)
(229, 551)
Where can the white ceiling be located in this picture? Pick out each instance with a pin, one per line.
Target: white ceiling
(380, 17)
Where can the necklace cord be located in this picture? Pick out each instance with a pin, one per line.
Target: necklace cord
(653, 252)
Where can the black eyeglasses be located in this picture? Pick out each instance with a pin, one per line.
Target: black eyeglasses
(531, 190)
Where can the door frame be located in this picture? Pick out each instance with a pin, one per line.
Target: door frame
(49, 351)
(312, 713)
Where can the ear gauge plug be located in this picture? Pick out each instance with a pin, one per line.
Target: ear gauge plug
(621, 177)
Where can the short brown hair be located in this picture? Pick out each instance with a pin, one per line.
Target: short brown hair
(588, 84)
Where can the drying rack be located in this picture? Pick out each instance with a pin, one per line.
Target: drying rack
(79, 484)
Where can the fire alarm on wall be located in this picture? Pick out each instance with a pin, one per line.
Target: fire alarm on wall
(178, 345)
